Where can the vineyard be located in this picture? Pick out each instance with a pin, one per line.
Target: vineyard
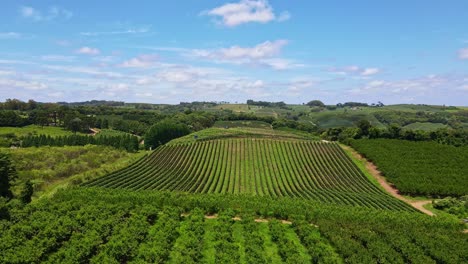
(419, 168)
(274, 168)
(97, 225)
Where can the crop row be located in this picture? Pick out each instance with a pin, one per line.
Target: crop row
(301, 169)
(91, 225)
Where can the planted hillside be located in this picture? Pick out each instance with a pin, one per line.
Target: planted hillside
(301, 169)
(419, 168)
(91, 225)
(47, 167)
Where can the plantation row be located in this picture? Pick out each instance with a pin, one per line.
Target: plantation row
(302, 169)
(419, 168)
(92, 225)
(122, 141)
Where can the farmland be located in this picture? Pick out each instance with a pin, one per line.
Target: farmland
(92, 225)
(275, 168)
(419, 168)
(49, 167)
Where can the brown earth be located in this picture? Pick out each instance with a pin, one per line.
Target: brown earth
(94, 131)
(372, 169)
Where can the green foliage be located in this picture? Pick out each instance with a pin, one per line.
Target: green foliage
(316, 103)
(456, 206)
(103, 226)
(27, 192)
(121, 141)
(163, 132)
(419, 168)
(47, 166)
(7, 176)
(303, 169)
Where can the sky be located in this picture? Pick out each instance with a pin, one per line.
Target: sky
(185, 50)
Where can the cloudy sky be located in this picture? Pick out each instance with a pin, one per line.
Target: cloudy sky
(294, 51)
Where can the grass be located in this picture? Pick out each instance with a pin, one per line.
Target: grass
(50, 168)
(241, 124)
(242, 132)
(111, 133)
(361, 164)
(35, 130)
(426, 126)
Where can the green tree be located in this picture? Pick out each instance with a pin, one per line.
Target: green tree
(163, 132)
(75, 125)
(27, 192)
(364, 126)
(316, 103)
(7, 176)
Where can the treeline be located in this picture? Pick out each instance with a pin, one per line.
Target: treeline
(267, 104)
(294, 125)
(127, 142)
(405, 118)
(455, 137)
(94, 103)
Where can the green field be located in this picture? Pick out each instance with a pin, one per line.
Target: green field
(35, 130)
(302, 169)
(419, 168)
(241, 124)
(425, 126)
(244, 132)
(51, 167)
(111, 133)
(91, 225)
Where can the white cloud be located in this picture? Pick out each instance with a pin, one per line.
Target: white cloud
(85, 70)
(369, 71)
(142, 61)
(463, 54)
(88, 51)
(179, 75)
(51, 14)
(60, 58)
(246, 11)
(140, 30)
(353, 70)
(262, 50)
(10, 35)
(25, 84)
(263, 54)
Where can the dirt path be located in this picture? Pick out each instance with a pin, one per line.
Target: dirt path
(372, 169)
(237, 218)
(94, 131)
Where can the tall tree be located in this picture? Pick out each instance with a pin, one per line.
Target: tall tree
(7, 176)
(163, 132)
(27, 192)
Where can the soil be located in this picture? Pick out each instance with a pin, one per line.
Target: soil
(94, 131)
(387, 186)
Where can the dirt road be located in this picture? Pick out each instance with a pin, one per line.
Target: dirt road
(387, 186)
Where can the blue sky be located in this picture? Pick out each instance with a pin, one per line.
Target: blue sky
(292, 51)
